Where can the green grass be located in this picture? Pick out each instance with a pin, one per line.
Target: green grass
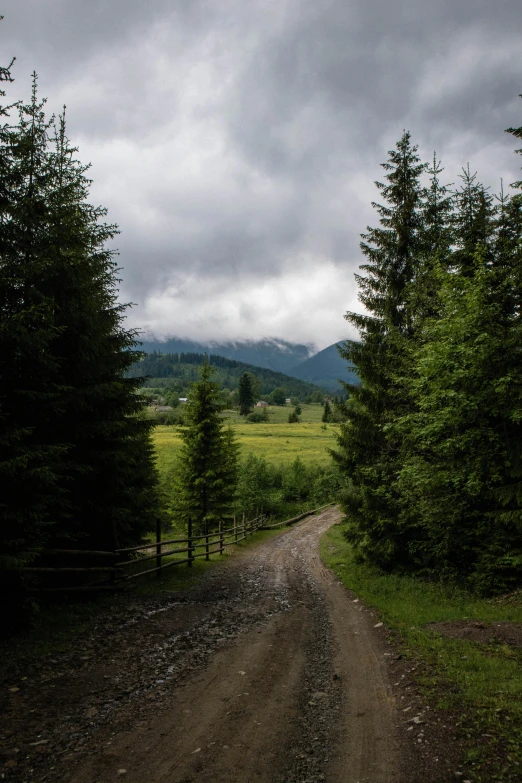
(481, 683)
(276, 440)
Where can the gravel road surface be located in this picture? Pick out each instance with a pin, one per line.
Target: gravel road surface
(266, 671)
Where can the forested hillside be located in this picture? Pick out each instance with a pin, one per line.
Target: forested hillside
(432, 446)
(178, 370)
(274, 354)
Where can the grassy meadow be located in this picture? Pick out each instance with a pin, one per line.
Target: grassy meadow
(277, 440)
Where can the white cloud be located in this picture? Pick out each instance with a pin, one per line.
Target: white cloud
(305, 302)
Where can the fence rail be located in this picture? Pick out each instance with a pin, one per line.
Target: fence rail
(73, 570)
(212, 543)
(297, 518)
(115, 575)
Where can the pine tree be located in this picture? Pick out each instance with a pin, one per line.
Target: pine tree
(208, 460)
(77, 457)
(366, 453)
(327, 412)
(29, 466)
(109, 476)
(246, 394)
(473, 221)
(435, 247)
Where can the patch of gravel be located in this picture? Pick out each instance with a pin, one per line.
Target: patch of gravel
(124, 666)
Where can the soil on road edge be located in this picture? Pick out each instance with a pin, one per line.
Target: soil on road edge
(267, 670)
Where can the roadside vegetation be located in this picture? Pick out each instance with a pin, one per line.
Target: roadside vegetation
(430, 447)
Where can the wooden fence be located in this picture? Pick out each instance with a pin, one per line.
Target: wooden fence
(297, 518)
(81, 575)
(210, 543)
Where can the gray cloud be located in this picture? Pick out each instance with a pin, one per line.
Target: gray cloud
(236, 143)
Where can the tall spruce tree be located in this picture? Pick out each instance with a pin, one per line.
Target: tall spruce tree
(246, 394)
(29, 466)
(473, 222)
(206, 477)
(367, 453)
(434, 251)
(77, 454)
(109, 474)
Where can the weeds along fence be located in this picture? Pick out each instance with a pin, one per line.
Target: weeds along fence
(209, 543)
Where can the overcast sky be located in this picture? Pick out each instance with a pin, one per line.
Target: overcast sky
(236, 142)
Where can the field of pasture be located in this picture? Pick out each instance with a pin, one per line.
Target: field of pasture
(277, 440)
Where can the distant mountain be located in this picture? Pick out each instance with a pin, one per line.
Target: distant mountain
(325, 369)
(178, 371)
(274, 354)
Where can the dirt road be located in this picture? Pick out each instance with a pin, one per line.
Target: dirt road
(268, 670)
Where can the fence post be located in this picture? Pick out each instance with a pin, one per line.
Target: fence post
(235, 529)
(243, 524)
(158, 546)
(220, 537)
(189, 532)
(206, 547)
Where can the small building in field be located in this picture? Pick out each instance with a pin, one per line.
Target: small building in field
(288, 401)
(261, 404)
(183, 399)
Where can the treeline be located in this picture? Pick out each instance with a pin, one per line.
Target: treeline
(175, 372)
(284, 490)
(160, 364)
(76, 460)
(432, 445)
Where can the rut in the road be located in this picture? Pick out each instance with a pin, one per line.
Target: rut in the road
(320, 698)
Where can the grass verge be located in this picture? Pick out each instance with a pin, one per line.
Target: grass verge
(480, 682)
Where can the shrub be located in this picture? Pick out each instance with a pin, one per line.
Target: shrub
(257, 417)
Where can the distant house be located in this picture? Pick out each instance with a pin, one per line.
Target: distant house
(288, 401)
(261, 404)
(183, 399)
(163, 408)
